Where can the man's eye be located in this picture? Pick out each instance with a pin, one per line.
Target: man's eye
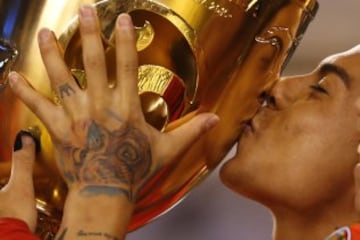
(319, 88)
(266, 100)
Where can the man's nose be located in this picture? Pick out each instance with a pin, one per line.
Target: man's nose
(289, 89)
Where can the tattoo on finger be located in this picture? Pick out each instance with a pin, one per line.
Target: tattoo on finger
(65, 90)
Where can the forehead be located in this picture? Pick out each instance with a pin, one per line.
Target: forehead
(350, 62)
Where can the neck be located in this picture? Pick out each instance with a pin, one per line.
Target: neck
(315, 223)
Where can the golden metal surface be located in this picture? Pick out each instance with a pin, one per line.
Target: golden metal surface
(205, 55)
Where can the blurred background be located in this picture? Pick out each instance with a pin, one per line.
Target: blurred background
(211, 211)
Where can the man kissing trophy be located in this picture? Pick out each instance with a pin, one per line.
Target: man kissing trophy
(194, 55)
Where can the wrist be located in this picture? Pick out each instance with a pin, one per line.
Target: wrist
(86, 214)
(80, 202)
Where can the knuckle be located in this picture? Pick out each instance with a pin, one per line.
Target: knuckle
(46, 48)
(125, 35)
(134, 118)
(60, 137)
(17, 89)
(35, 107)
(129, 66)
(93, 61)
(97, 107)
(89, 26)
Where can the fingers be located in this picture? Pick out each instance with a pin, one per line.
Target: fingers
(93, 52)
(45, 110)
(127, 62)
(60, 77)
(186, 135)
(52, 58)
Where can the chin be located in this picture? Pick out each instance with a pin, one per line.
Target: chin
(232, 176)
(244, 180)
(223, 174)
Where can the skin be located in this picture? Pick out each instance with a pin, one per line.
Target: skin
(104, 148)
(17, 197)
(357, 167)
(299, 157)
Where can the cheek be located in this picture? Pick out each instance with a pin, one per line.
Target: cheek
(317, 160)
(322, 174)
(321, 168)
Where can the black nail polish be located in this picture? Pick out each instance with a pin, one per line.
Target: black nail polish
(18, 142)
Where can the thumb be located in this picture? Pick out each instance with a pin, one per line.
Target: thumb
(187, 134)
(23, 159)
(20, 187)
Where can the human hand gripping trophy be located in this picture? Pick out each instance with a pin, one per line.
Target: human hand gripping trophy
(194, 56)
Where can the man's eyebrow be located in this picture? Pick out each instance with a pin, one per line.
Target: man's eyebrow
(327, 68)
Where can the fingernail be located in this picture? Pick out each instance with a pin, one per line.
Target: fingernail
(12, 78)
(45, 35)
(124, 20)
(87, 11)
(18, 144)
(212, 121)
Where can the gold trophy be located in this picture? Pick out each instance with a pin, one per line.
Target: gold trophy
(195, 55)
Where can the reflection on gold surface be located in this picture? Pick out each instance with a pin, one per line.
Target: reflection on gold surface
(155, 109)
(160, 87)
(8, 55)
(251, 4)
(145, 36)
(204, 55)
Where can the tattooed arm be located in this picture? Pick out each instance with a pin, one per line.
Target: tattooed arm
(104, 148)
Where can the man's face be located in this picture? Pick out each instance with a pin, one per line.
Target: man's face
(300, 148)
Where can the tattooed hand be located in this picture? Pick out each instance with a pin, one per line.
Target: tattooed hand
(103, 145)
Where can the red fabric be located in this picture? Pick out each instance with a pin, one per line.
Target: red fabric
(351, 232)
(355, 231)
(15, 229)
